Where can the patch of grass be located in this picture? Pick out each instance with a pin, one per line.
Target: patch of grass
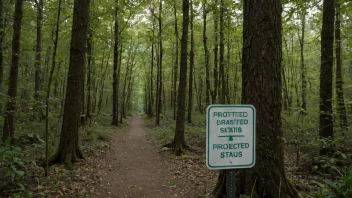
(164, 133)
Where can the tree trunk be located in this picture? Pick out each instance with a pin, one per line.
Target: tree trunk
(68, 151)
(327, 58)
(176, 58)
(228, 59)
(339, 81)
(9, 127)
(215, 73)
(151, 95)
(222, 52)
(56, 41)
(191, 68)
(200, 92)
(89, 74)
(160, 66)
(261, 87)
(38, 49)
(115, 98)
(179, 142)
(206, 54)
(303, 67)
(2, 34)
(127, 74)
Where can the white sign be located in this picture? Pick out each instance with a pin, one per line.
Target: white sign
(230, 136)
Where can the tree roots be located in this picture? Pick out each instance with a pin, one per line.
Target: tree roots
(68, 159)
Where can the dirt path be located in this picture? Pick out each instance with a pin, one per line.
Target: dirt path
(133, 167)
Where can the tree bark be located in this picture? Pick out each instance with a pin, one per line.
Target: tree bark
(38, 49)
(56, 41)
(68, 151)
(160, 66)
(341, 109)
(206, 54)
(89, 74)
(115, 98)
(261, 87)
(216, 49)
(179, 142)
(191, 68)
(151, 90)
(303, 67)
(228, 59)
(9, 125)
(327, 57)
(222, 97)
(176, 58)
(128, 72)
(2, 34)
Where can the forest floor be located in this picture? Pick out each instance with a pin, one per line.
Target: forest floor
(130, 161)
(134, 168)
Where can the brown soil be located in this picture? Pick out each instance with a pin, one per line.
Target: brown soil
(133, 168)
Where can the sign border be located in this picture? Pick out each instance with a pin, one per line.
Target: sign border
(208, 139)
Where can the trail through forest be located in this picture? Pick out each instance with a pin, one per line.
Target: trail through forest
(133, 167)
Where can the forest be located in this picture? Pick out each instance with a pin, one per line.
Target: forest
(109, 98)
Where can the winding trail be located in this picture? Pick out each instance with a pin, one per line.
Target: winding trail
(133, 167)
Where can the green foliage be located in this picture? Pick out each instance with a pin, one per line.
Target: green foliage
(342, 187)
(12, 165)
(164, 134)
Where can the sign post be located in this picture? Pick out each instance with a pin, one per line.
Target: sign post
(230, 140)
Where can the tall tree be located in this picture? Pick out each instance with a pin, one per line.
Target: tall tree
(38, 48)
(68, 151)
(2, 34)
(176, 58)
(339, 81)
(222, 92)
(327, 58)
(179, 142)
(53, 64)
(160, 67)
(89, 73)
(206, 53)
(303, 67)
(9, 125)
(262, 59)
(216, 49)
(115, 98)
(191, 68)
(261, 87)
(151, 90)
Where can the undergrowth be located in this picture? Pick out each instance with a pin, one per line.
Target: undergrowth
(312, 174)
(164, 133)
(22, 177)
